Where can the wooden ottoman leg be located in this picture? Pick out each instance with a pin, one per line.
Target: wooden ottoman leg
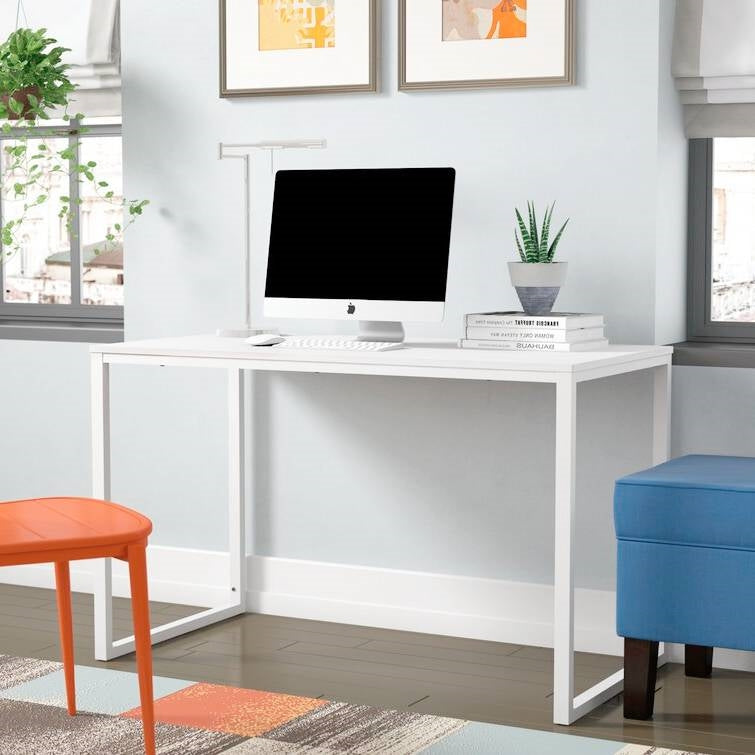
(65, 625)
(137, 567)
(640, 669)
(698, 661)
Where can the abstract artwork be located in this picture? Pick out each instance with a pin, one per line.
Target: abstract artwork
(284, 47)
(296, 24)
(484, 19)
(472, 44)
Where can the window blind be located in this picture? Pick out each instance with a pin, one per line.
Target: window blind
(713, 64)
(92, 31)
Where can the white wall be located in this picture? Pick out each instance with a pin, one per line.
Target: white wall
(447, 478)
(714, 409)
(427, 505)
(671, 197)
(44, 426)
(593, 147)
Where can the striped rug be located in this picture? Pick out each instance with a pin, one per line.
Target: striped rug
(204, 719)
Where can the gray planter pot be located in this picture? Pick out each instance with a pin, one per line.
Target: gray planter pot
(537, 284)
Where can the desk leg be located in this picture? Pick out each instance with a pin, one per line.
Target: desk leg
(237, 486)
(662, 435)
(661, 413)
(100, 411)
(566, 707)
(563, 608)
(105, 648)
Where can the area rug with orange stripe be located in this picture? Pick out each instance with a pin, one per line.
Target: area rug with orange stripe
(204, 719)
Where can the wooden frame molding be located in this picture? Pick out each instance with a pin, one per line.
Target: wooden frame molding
(370, 86)
(568, 78)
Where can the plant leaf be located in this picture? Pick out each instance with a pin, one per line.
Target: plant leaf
(529, 247)
(546, 233)
(519, 248)
(552, 250)
(15, 106)
(533, 226)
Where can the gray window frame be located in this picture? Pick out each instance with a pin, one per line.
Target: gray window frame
(700, 327)
(75, 321)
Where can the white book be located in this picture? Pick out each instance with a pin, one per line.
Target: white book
(546, 335)
(555, 320)
(522, 346)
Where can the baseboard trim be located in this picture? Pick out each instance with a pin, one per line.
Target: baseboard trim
(177, 575)
(472, 607)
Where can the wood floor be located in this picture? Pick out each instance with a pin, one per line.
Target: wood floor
(484, 681)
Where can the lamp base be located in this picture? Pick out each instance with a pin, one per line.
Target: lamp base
(243, 332)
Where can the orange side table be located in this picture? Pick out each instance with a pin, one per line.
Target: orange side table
(60, 530)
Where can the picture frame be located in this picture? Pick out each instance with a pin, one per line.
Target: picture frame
(245, 63)
(480, 62)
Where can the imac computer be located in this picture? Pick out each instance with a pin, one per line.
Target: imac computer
(369, 245)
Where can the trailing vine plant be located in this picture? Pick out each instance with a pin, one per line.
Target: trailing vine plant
(33, 80)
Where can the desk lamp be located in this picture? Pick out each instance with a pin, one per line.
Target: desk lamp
(244, 152)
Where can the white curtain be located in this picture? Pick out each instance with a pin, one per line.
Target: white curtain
(714, 66)
(91, 29)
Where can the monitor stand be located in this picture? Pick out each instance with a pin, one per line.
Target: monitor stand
(373, 330)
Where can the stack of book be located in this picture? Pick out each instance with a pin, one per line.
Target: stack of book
(515, 331)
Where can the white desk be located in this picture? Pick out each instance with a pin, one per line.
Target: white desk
(426, 360)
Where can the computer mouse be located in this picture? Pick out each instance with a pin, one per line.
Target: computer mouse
(265, 339)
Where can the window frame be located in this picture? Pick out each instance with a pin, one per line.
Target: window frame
(74, 321)
(700, 327)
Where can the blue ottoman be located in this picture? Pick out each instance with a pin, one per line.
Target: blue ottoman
(686, 566)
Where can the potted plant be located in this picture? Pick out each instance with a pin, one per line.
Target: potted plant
(32, 75)
(33, 81)
(537, 278)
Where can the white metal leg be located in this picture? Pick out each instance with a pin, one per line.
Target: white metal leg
(661, 437)
(563, 608)
(661, 413)
(100, 408)
(566, 707)
(105, 648)
(237, 485)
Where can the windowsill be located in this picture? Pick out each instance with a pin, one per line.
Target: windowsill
(714, 354)
(27, 330)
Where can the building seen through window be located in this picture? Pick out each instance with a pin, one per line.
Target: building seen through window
(733, 231)
(40, 272)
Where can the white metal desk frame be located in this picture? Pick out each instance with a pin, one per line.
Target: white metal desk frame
(566, 707)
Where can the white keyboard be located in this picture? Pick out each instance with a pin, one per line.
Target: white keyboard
(330, 343)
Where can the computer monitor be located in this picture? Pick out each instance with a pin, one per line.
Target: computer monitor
(369, 245)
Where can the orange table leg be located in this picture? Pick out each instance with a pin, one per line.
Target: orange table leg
(65, 624)
(137, 567)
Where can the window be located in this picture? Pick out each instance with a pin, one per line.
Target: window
(721, 298)
(66, 280)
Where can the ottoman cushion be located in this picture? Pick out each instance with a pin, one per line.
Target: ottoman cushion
(706, 501)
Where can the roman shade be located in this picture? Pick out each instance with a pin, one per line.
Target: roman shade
(714, 66)
(91, 29)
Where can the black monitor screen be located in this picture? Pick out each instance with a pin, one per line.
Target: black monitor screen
(380, 234)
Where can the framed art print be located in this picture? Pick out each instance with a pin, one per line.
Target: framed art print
(270, 47)
(470, 44)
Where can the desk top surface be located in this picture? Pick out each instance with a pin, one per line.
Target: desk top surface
(417, 357)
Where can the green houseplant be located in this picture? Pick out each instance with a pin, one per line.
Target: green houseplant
(33, 82)
(32, 75)
(536, 277)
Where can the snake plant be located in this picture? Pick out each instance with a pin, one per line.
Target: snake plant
(533, 245)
